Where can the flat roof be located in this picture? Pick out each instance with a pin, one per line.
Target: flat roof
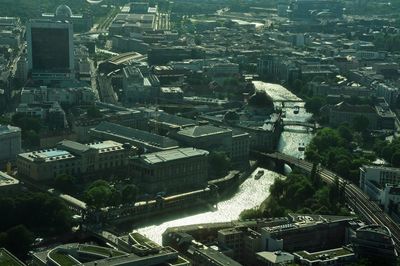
(7, 180)
(135, 135)
(47, 155)
(171, 155)
(218, 257)
(325, 254)
(276, 256)
(5, 129)
(201, 131)
(104, 145)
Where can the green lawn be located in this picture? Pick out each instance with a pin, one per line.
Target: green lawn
(62, 259)
(7, 260)
(101, 250)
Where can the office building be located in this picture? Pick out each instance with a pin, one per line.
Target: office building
(74, 158)
(381, 184)
(171, 171)
(334, 257)
(50, 49)
(379, 116)
(234, 143)
(375, 242)
(308, 232)
(10, 142)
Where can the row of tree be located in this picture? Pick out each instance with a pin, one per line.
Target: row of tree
(26, 215)
(334, 149)
(303, 194)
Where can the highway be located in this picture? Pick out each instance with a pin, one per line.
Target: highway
(353, 194)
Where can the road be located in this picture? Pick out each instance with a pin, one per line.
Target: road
(354, 196)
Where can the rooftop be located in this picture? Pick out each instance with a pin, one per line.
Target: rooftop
(383, 230)
(6, 180)
(171, 155)
(218, 257)
(47, 155)
(325, 254)
(5, 129)
(276, 256)
(174, 120)
(201, 131)
(131, 134)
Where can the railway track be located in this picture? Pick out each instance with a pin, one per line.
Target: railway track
(354, 196)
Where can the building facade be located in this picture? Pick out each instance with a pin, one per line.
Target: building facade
(171, 171)
(50, 49)
(74, 158)
(10, 142)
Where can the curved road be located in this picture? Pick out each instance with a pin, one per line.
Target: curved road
(354, 196)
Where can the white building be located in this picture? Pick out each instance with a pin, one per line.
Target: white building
(7, 182)
(388, 92)
(10, 142)
(381, 184)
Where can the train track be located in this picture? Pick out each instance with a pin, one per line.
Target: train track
(354, 196)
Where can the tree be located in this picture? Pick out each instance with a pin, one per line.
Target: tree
(66, 183)
(251, 214)
(93, 112)
(396, 159)
(314, 105)
(360, 123)
(261, 100)
(219, 163)
(98, 194)
(345, 132)
(26, 122)
(18, 240)
(129, 194)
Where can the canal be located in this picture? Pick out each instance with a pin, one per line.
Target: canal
(252, 192)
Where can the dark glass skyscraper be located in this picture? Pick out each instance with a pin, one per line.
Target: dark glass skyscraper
(50, 49)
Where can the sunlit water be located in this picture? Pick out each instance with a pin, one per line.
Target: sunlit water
(252, 192)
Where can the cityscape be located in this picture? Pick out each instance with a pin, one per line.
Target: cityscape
(199, 132)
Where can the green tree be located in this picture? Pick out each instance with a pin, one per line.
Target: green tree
(219, 163)
(93, 112)
(98, 194)
(66, 183)
(18, 240)
(26, 122)
(129, 194)
(360, 123)
(396, 159)
(314, 105)
(251, 214)
(261, 100)
(345, 132)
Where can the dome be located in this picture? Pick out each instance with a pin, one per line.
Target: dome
(63, 11)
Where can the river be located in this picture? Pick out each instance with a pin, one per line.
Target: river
(252, 192)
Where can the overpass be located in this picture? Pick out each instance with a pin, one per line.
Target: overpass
(353, 194)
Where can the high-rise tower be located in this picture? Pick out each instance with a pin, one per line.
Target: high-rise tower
(50, 50)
